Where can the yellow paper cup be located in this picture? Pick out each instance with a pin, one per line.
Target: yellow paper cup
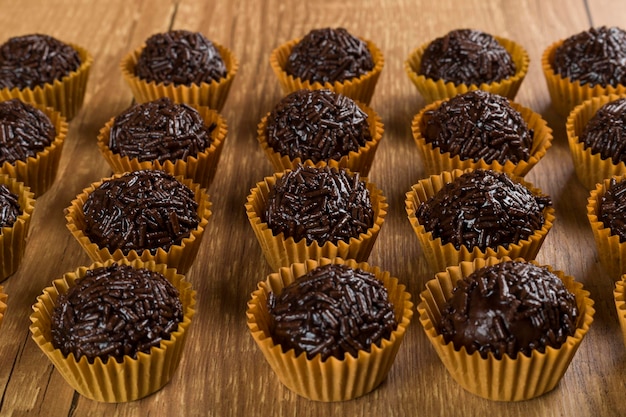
(506, 379)
(113, 381)
(439, 90)
(3, 304)
(332, 379)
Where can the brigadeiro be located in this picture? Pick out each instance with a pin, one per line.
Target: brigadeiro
(588, 64)
(16, 208)
(323, 324)
(462, 215)
(176, 138)
(606, 212)
(320, 127)
(329, 58)
(115, 331)
(31, 141)
(505, 329)
(147, 214)
(479, 129)
(41, 69)
(312, 212)
(183, 65)
(466, 59)
(596, 131)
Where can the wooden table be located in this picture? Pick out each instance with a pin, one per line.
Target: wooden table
(222, 372)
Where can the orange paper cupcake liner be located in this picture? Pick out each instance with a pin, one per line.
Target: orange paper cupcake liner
(359, 161)
(611, 251)
(360, 88)
(13, 239)
(506, 379)
(65, 95)
(440, 255)
(213, 94)
(333, 379)
(113, 381)
(439, 90)
(200, 168)
(179, 256)
(590, 168)
(436, 161)
(620, 305)
(565, 93)
(39, 172)
(281, 251)
(3, 304)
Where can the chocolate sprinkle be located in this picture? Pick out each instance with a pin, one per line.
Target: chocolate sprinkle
(483, 208)
(141, 210)
(34, 60)
(331, 311)
(318, 125)
(612, 208)
(160, 130)
(180, 57)
(605, 133)
(479, 125)
(466, 56)
(319, 204)
(329, 55)
(24, 131)
(9, 207)
(508, 308)
(594, 57)
(115, 311)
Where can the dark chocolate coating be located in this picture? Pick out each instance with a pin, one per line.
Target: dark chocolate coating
(160, 130)
(34, 60)
(605, 133)
(319, 204)
(594, 57)
(318, 125)
(180, 57)
(483, 208)
(509, 308)
(329, 55)
(612, 208)
(331, 311)
(115, 311)
(9, 207)
(141, 210)
(466, 56)
(24, 131)
(479, 125)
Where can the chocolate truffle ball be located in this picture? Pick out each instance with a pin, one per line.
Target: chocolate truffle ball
(115, 311)
(612, 208)
(160, 130)
(509, 308)
(180, 57)
(331, 311)
(318, 125)
(320, 205)
(605, 133)
(466, 56)
(484, 209)
(479, 125)
(9, 207)
(141, 210)
(24, 131)
(329, 55)
(34, 60)
(593, 57)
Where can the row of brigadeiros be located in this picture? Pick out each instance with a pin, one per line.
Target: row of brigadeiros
(316, 219)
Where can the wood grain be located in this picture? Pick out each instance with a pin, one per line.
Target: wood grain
(222, 372)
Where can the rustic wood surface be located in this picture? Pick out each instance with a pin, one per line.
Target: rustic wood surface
(222, 372)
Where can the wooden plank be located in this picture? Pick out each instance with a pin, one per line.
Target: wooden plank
(222, 372)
